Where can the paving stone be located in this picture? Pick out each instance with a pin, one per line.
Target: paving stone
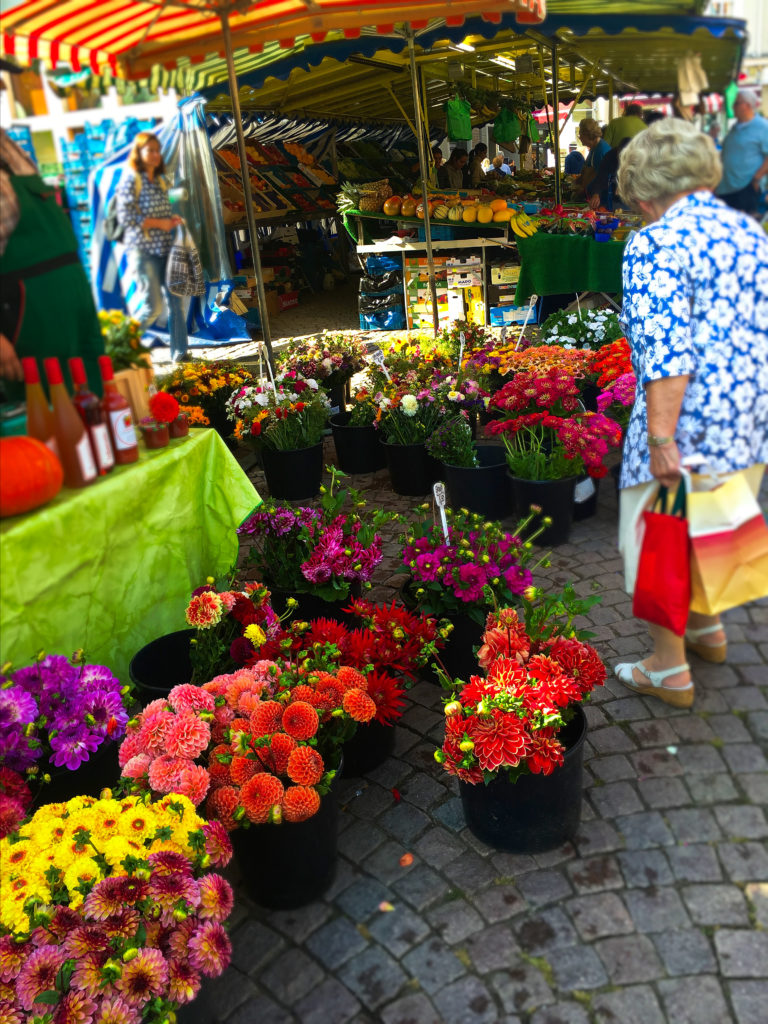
(730, 729)
(561, 1013)
(422, 791)
(433, 963)
(643, 868)
(454, 921)
(598, 915)
(685, 952)
(466, 1001)
(493, 948)
(749, 1000)
(611, 740)
(371, 802)
(656, 763)
(373, 976)
(656, 910)
(653, 732)
(629, 959)
(636, 1004)
(412, 1009)
(660, 793)
(499, 903)
(757, 894)
(230, 990)
(512, 865)
(627, 709)
(693, 825)
(742, 954)
(696, 758)
(711, 789)
(594, 874)
(253, 945)
(755, 785)
(522, 989)
(614, 799)
(300, 923)
(715, 904)
(758, 724)
(597, 837)
(644, 831)
(541, 887)
(451, 814)
(404, 821)
(291, 976)
(384, 863)
(551, 858)
(336, 942)
(748, 698)
(398, 930)
(469, 871)
(744, 862)
(548, 930)
(421, 887)
(390, 773)
(692, 729)
(361, 899)
(360, 840)
(578, 967)
(436, 847)
(612, 769)
(346, 874)
(744, 757)
(695, 863)
(260, 1008)
(329, 1001)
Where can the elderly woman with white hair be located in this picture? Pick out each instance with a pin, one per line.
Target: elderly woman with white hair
(696, 318)
(744, 155)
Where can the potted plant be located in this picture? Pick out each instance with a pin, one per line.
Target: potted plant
(60, 718)
(514, 734)
(586, 329)
(202, 390)
(356, 437)
(474, 474)
(154, 434)
(131, 360)
(331, 360)
(285, 422)
(129, 879)
(550, 444)
(406, 420)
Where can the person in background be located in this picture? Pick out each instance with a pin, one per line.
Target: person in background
(526, 153)
(631, 123)
(694, 315)
(652, 116)
(437, 157)
(744, 155)
(476, 172)
(574, 164)
(46, 306)
(590, 136)
(144, 212)
(451, 173)
(497, 168)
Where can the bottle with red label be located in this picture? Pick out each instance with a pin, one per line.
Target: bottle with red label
(39, 415)
(71, 436)
(118, 413)
(93, 416)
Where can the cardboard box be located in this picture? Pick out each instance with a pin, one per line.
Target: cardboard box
(421, 261)
(509, 273)
(464, 279)
(273, 305)
(287, 301)
(455, 263)
(502, 316)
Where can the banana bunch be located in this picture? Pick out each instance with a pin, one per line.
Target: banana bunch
(522, 225)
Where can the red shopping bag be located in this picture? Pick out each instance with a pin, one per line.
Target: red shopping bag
(663, 588)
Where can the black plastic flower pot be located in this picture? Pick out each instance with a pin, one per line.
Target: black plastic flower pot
(554, 498)
(458, 655)
(291, 864)
(294, 474)
(586, 509)
(483, 489)
(358, 448)
(589, 393)
(412, 470)
(88, 779)
(371, 745)
(536, 813)
(310, 606)
(161, 665)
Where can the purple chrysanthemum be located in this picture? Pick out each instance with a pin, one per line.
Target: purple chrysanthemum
(114, 1010)
(87, 938)
(74, 1008)
(183, 981)
(87, 976)
(12, 956)
(106, 708)
(109, 896)
(17, 707)
(167, 862)
(72, 746)
(169, 892)
(216, 898)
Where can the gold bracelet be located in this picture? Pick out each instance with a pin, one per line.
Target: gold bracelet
(658, 442)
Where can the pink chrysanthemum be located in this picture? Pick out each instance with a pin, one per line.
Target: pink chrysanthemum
(87, 974)
(88, 938)
(137, 766)
(143, 978)
(130, 747)
(183, 981)
(11, 1012)
(187, 697)
(177, 942)
(167, 862)
(210, 949)
(74, 1008)
(12, 956)
(217, 844)
(194, 783)
(109, 896)
(114, 1010)
(169, 892)
(187, 736)
(38, 975)
(165, 772)
(216, 898)
(122, 925)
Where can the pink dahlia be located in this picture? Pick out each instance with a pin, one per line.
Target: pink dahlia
(177, 942)
(88, 938)
(12, 956)
(165, 772)
(143, 978)
(87, 976)
(187, 736)
(216, 898)
(166, 862)
(38, 975)
(109, 896)
(136, 767)
(183, 981)
(217, 844)
(210, 949)
(170, 892)
(114, 1010)
(204, 610)
(154, 728)
(194, 783)
(130, 747)
(74, 1008)
(11, 1012)
(187, 697)
(122, 925)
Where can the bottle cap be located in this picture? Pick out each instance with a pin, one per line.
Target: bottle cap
(77, 370)
(105, 366)
(31, 372)
(53, 371)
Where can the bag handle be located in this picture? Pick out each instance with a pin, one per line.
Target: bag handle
(679, 503)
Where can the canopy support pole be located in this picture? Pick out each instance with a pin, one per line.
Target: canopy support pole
(424, 169)
(246, 180)
(556, 123)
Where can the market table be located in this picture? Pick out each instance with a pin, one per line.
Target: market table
(110, 567)
(555, 264)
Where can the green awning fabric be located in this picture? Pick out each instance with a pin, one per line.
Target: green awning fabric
(556, 264)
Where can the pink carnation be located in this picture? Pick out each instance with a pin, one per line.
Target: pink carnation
(165, 772)
(187, 697)
(187, 736)
(137, 766)
(194, 782)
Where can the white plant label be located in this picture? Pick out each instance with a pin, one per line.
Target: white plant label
(439, 492)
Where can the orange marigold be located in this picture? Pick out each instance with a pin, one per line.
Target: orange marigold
(305, 766)
(242, 769)
(349, 677)
(359, 705)
(300, 803)
(266, 718)
(281, 746)
(300, 720)
(260, 795)
(222, 804)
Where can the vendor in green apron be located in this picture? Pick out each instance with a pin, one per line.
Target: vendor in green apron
(46, 306)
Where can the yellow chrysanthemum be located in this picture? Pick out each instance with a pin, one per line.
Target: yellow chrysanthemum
(104, 821)
(83, 869)
(255, 634)
(117, 849)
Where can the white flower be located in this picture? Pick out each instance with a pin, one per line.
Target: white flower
(409, 405)
(454, 396)
(572, 318)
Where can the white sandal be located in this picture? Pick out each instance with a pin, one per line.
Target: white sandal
(716, 653)
(677, 696)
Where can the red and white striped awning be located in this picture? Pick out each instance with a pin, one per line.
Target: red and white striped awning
(130, 36)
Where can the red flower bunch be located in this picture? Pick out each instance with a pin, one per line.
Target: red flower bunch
(15, 800)
(611, 362)
(509, 719)
(163, 407)
(530, 390)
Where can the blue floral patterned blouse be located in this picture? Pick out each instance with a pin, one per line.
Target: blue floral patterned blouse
(137, 198)
(696, 303)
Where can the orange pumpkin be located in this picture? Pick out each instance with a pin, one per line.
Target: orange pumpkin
(30, 475)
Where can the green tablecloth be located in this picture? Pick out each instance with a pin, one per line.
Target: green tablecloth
(554, 264)
(110, 567)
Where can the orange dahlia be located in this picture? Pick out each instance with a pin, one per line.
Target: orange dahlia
(222, 804)
(259, 795)
(281, 746)
(300, 803)
(305, 766)
(300, 720)
(349, 677)
(219, 770)
(241, 769)
(303, 692)
(266, 717)
(359, 705)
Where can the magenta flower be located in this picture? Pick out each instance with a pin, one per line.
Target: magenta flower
(143, 978)
(38, 975)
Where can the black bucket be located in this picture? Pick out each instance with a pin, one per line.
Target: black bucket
(412, 470)
(371, 745)
(483, 489)
(358, 448)
(310, 606)
(100, 770)
(294, 474)
(536, 813)
(586, 509)
(161, 665)
(554, 498)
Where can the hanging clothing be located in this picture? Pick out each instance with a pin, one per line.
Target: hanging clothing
(459, 121)
(691, 79)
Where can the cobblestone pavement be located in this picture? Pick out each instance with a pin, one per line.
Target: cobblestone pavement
(657, 912)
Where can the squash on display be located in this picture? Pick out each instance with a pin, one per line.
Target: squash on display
(30, 475)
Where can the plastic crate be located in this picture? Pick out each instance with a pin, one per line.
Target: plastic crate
(438, 233)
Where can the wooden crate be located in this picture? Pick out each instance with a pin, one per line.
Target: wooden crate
(133, 385)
